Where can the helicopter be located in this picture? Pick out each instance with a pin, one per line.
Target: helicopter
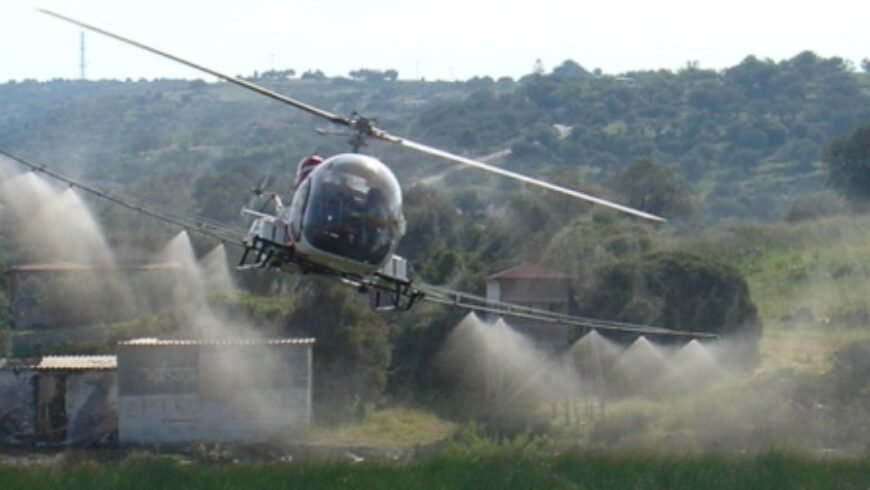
(345, 216)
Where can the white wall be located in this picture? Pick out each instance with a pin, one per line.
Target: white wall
(171, 394)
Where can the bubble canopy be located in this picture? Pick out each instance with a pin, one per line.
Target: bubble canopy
(354, 209)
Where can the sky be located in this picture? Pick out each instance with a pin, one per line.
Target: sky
(431, 39)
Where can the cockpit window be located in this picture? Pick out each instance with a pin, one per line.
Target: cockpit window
(353, 183)
(354, 209)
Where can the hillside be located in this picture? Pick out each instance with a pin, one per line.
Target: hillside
(809, 280)
(747, 138)
(738, 150)
(746, 141)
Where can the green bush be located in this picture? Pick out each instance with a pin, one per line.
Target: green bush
(680, 291)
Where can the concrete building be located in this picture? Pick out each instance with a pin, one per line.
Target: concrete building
(176, 391)
(538, 287)
(65, 400)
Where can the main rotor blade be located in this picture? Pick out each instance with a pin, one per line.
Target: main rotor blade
(223, 76)
(524, 178)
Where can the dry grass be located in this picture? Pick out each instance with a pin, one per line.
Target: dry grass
(390, 427)
(807, 350)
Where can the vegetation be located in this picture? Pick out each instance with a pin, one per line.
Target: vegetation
(503, 469)
(352, 350)
(745, 138)
(656, 189)
(727, 156)
(848, 162)
(676, 290)
(390, 428)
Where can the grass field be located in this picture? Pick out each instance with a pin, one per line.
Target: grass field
(389, 427)
(505, 470)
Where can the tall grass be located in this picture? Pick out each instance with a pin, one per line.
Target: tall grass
(500, 470)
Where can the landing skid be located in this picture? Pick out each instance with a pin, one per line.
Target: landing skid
(261, 253)
(387, 291)
(393, 295)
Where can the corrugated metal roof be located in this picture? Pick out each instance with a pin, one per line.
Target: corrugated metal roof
(148, 342)
(61, 363)
(17, 363)
(528, 270)
(77, 363)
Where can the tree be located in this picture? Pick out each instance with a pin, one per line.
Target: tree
(543, 91)
(585, 245)
(754, 76)
(278, 75)
(681, 291)
(374, 76)
(480, 83)
(313, 75)
(656, 189)
(352, 351)
(710, 95)
(847, 160)
(570, 69)
(219, 197)
(865, 65)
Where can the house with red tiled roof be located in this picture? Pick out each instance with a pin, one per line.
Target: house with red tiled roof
(536, 286)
